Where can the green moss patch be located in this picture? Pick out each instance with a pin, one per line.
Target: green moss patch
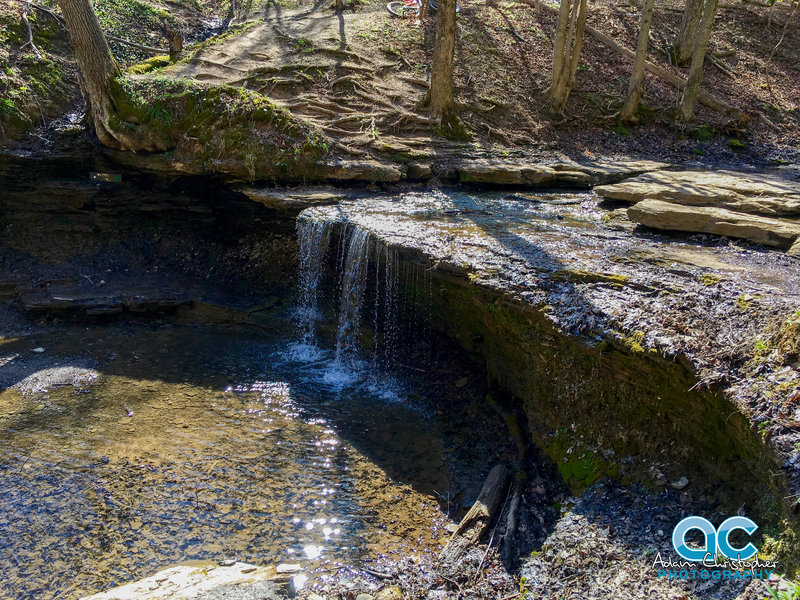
(216, 128)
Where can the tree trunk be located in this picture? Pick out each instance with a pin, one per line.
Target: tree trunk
(684, 45)
(695, 77)
(441, 91)
(636, 83)
(96, 64)
(567, 50)
(668, 76)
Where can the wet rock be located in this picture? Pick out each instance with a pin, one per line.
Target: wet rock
(390, 593)
(658, 214)
(742, 192)
(293, 200)
(680, 483)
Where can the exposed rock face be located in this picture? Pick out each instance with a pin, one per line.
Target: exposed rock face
(742, 192)
(657, 214)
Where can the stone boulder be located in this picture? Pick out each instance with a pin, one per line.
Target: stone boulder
(504, 173)
(750, 193)
(781, 233)
(196, 581)
(531, 174)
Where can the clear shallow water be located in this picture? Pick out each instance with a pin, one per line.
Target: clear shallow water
(202, 444)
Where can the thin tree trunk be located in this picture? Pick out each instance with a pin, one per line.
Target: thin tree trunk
(684, 44)
(567, 50)
(636, 83)
(668, 76)
(559, 47)
(96, 64)
(695, 77)
(441, 91)
(577, 45)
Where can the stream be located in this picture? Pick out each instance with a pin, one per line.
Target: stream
(140, 432)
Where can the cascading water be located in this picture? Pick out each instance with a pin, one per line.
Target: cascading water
(362, 262)
(314, 238)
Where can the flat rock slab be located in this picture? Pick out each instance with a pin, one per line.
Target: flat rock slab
(195, 581)
(658, 214)
(360, 170)
(750, 193)
(293, 200)
(512, 173)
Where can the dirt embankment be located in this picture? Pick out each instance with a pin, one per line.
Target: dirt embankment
(359, 75)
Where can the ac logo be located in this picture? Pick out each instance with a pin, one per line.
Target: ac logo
(716, 539)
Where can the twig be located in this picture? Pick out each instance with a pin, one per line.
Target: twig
(795, 4)
(377, 574)
(25, 8)
(46, 10)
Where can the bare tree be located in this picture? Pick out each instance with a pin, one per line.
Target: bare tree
(96, 64)
(695, 78)
(440, 96)
(684, 44)
(567, 50)
(636, 83)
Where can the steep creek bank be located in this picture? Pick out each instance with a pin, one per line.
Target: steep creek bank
(640, 366)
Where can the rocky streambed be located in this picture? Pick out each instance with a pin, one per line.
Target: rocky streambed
(638, 356)
(627, 377)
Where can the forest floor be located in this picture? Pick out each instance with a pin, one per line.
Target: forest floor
(359, 75)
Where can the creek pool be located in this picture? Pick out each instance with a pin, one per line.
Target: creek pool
(125, 449)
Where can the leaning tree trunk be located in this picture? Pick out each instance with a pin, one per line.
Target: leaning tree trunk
(695, 77)
(440, 99)
(567, 50)
(690, 25)
(636, 83)
(96, 64)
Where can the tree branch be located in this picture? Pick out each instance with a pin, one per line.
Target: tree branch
(25, 8)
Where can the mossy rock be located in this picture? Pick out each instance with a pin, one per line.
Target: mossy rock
(150, 65)
(216, 128)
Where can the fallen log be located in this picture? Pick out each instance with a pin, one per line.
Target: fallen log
(478, 517)
(120, 40)
(675, 81)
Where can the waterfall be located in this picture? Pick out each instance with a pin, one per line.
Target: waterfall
(354, 282)
(362, 262)
(314, 238)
